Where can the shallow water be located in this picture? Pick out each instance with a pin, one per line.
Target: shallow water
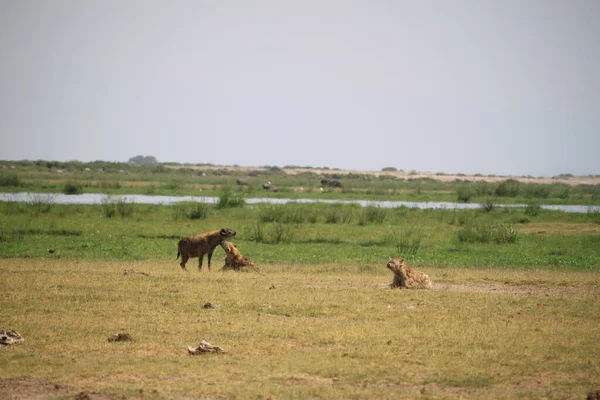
(98, 198)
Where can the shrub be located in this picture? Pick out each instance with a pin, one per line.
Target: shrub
(72, 188)
(389, 169)
(508, 188)
(464, 194)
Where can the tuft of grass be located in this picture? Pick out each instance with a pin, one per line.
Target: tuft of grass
(533, 209)
(406, 241)
(41, 203)
(8, 180)
(119, 206)
(230, 199)
(372, 215)
(191, 210)
(486, 233)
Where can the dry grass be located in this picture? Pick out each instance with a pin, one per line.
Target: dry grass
(299, 332)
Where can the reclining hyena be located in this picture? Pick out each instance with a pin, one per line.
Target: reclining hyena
(199, 245)
(406, 277)
(234, 260)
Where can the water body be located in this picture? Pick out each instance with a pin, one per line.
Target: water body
(98, 198)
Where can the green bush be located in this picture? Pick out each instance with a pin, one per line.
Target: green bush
(72, 188)
(464, 194)
(508, 188)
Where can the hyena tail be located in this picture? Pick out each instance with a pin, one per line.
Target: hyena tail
(178, 253)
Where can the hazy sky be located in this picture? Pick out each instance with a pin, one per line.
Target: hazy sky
(492, 87)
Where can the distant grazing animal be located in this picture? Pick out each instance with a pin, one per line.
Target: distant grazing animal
(235, 260)
(268, 186)
(199, 245)
(331, 182)
(241, 182)
(406, 277)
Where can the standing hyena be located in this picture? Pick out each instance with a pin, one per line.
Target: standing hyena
(406, 277)
(234, 260)
(199, 245)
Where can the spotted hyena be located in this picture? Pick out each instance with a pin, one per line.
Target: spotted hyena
(199, 245)
(234, 260)
(406, 277)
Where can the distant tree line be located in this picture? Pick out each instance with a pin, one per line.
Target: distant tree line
(143, 160)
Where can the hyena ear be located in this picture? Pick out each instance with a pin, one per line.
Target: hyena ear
(390, 259)
(223, 232)
(401, 260)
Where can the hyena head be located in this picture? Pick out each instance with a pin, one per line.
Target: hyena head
(230, 248)
(226, 232)
(395, 264)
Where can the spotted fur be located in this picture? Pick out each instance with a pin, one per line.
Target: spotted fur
(199, 245)
(407, 277)
(234, 260)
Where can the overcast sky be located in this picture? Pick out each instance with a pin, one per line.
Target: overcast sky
(493, 87)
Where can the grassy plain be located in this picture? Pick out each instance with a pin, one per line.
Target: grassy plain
(513, 313)
(316, 331)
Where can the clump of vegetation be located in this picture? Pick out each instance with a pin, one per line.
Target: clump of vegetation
(464, 194)
(486, 233)
(393, 169)
(41, 203)
(72, 188)
(230, 199)
(191, 210)
(339, 215)
(372, 215)
(276, 234)
(533, 209)
(120, 206)
(406, 241)
(7, 180)
(488, 205)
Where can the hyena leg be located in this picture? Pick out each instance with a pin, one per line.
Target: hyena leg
(200, 259)
(184, 258)
(209, 258)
